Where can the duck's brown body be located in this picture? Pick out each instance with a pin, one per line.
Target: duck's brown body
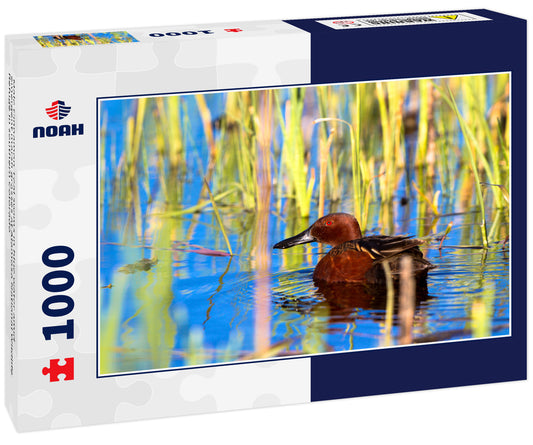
(354, 258)
(362, 259)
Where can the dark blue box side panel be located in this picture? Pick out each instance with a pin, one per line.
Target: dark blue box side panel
(417, 368)
(410, 51)
(427, 51)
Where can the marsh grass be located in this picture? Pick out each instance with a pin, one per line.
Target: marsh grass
(369, 156)
(300, 176)
(218, 217)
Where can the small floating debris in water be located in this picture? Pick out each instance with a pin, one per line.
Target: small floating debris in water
(194, 248)
(144, 264)
(208, 252)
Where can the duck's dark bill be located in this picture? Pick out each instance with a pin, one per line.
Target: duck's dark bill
(301, 238)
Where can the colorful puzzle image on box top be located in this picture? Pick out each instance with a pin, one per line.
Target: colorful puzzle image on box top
(95, 38)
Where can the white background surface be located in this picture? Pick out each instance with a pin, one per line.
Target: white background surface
(487, 414)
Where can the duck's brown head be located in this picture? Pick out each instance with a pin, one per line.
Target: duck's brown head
(332, 229)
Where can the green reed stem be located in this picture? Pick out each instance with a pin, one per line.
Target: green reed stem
(424, 88)
(482, 312)
(198, 206)
(294, 153)
(386, 139)
(324, 149)
(473, 165)
(219, 219)
(355, 145)
(357, 168)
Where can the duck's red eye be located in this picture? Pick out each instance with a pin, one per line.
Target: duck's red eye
(328, 223)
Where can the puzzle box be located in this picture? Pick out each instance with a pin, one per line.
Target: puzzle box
(213, 217)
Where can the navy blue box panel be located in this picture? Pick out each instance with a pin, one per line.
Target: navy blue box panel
(394, 52)
(414, 368)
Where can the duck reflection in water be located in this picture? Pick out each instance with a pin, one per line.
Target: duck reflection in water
(343, 302)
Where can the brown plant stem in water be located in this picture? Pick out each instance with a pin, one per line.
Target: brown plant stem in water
(407, 301)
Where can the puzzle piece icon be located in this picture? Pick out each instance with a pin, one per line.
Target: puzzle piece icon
(55, 369)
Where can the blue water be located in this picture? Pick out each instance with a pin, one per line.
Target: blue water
(212, 303)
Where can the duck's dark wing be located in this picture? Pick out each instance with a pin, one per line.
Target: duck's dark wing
(380, 247)
(391, 249)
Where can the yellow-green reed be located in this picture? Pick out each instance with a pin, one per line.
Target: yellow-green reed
(397, 92)
(156, 296)
(301, 177)
(483, 128)
(488, 149)
(357, 165)
(314, 340)
(445, 158)
(130, 166)
(161, 143)
(110, 324)
(433, 203)
(236, 165)
(196, 207)
(425, 109)
(390, 97)
(357, 175)
(170, 145)
(327, 157)
(324, 150)
(158, 327)
(496, 226)
(470, 143)
(425, 155)
(298, 255)
(329, 104)
(156, 330)
(247, 155)
(219, 219)
(387, 141)
(481, 313)
(445, 234)
(262, 124)
(240, 160)
(206, 119)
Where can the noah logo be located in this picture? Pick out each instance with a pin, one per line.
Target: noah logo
(58, 111)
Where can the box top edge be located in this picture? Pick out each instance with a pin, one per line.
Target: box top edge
(494, 14)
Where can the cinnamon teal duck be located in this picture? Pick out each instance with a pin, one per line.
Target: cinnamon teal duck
(354, 258)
